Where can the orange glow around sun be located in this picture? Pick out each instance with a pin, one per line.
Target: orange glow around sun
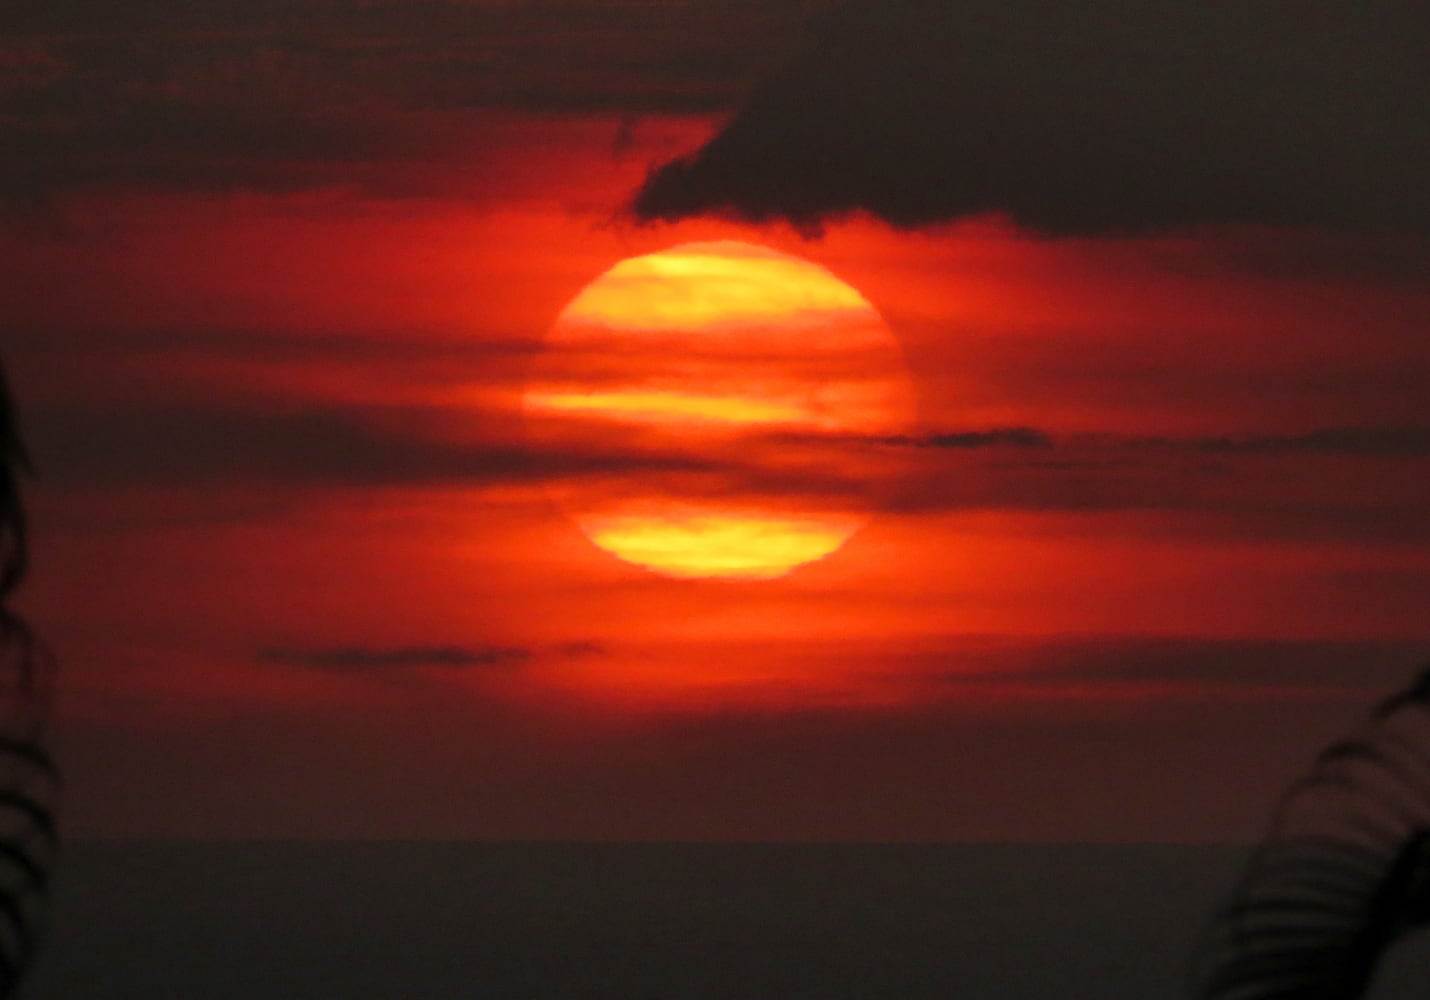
(701, 395)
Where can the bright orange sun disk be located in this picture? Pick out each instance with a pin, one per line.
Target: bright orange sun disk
(689, 372)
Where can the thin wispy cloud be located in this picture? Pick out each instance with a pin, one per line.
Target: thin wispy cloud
(364, 659)
(999, 437)
(1369, 442)
(395, 659)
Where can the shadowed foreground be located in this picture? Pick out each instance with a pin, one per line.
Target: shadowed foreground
(452, 921)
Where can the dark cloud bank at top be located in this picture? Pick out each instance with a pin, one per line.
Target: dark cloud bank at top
(293, 95)
(1082, 116)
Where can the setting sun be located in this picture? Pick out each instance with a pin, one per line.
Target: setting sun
(731, 372)
(714, 499)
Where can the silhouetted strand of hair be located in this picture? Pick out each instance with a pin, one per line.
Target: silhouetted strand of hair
(29, 780)
(1343, 874)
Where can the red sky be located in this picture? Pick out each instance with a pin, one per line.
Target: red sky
(272, 298)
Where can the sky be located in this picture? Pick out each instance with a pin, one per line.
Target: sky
(1156, 523)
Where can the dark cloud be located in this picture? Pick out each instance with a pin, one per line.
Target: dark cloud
(1370, 442)
(1215, 666)
(177, 94)
(191, 442)
(1199, 758)
(363, 658)
(1336, 483)
(545, 55)
(28, 66)
(1346, 483)
(1082, 116)
(1014, 437)
(396, 659)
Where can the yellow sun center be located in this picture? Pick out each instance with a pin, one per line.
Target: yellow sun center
(695, 399)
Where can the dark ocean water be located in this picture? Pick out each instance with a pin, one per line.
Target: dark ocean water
(290, 921)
